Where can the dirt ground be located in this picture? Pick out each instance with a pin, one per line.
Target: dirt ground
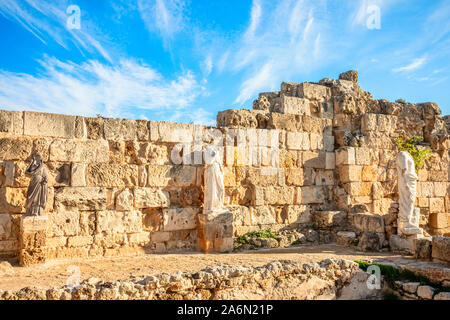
(55, 273)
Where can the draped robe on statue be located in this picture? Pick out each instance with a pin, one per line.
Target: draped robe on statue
(214, 185)
(37, 193)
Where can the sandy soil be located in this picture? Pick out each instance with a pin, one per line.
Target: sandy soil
(54, 273)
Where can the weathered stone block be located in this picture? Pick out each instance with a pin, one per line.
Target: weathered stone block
(345, 155)
(32, 257)
(80, 241)
(120, 129)
(119, 222)
(125, 200)
(241, 215)
(294, 105)
(111, 175)
(330, 160)
(48, 124)
(324, 178)
(423, 249)
(441, 248)
(78, 198)
(369, 174)
(371, 241)
(439, 220)
(425, 292)
(369, 122)
(300, 214)
(13, 200)
(313, 194)
(367, 222)
(437, 205)
(151, 198)
(312, 159)
(180, 219)
(63, 223)
(346, 238)
(262, 215)
(411, 287)
(279, 195)
(314, 91)
(11, 122)
(401, 244)
(238, 118)
(317, 141)
(350, 173)
(15, 148)
(77, 176)
(328, 219)
(298, 141)
(79, 151)
(215, 231)
(5, 226)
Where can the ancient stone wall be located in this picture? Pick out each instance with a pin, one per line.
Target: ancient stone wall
(313, 155)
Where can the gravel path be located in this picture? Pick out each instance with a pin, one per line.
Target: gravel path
(54, 273)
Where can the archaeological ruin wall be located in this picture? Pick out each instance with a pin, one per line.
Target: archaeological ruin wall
(313, 155)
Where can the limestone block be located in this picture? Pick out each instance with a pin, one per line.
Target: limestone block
(160, 236)
(328, 143)
(15, 148)
(241, 215)
(295, 176)
(140, 238)
(369, 174)
(5, 227)
(358, 189)
(362, 156)
(313, 194)
(425, 189)
(32, 257)
(48, 125)
(80, 241)
(119, 222)
(120, 129)
(298, 141)
(327, 110)
(313, 159)
(79, 151)
(371, 241)
(77, 176)
(63, 223)
(314, 91)
(180, 219)
(439, 220)
(258, 197)
(142, 176)
(151, 198)
(441, 248)
(238, 118)
(317, 141)
(111, 175)
(11, 122)
(279, 195)
(142, 130)
(425, 292)
(345, 156)
(401, 244)
(80, 128)
(423, 248)
(437, 205)
(181, 176)
(56, 242)
(125, 200)
(386, 123)
(9, 171)
(79, 198)
(9, 246)
(12, 200)
(346, 238)
(294, 105)
(350, 173)
(367, 222)
(330, 160)
(328, 219)
(411, 287)
(215, 231)
(154, 154)
(442, 296)
(109, 239)
(317, 125)
(262, 215)
(300, 214)
(324, 178)
(441, 189)
(152, 219)
(368, 122)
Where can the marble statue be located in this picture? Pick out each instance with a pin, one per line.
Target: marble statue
(408, 217)
(37, 193)
(213, 178)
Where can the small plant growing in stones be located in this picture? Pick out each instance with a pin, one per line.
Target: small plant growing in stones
(246, 238)
(418, 154)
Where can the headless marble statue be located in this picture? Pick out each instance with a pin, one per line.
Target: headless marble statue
(214, 185)
(408, 217)
(37, 193)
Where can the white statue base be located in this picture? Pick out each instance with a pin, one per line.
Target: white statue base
(215, 231)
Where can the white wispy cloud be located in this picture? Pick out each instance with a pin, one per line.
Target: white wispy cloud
(166, 17)
(277, 38)
(414, 65)
(48, 22)
(92, 87)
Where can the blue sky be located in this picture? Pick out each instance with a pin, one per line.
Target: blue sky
(185, 60)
